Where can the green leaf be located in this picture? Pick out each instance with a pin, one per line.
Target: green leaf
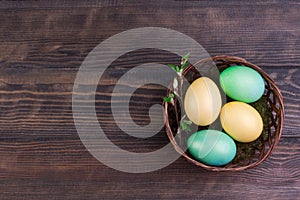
(186, 56)
(169, 98)
(184, 126)
(184, 62)
(189, 122)
(166, 99)
(174, 67)
(171, 95)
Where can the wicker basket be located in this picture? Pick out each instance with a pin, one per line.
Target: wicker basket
(261, 148)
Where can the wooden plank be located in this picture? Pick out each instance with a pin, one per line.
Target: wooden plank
(33, 95)
(51, 169)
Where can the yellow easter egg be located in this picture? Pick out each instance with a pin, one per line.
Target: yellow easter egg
(241, 121)
(202, 102)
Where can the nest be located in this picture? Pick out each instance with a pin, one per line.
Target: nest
(270, 107)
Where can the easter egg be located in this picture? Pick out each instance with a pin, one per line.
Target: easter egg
(202, 102)
(241, 121)
(212, 147)
(242, 83)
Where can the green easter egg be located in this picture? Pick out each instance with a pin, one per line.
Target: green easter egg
(212, 147)
(242, 83)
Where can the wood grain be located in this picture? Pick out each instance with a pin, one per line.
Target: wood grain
(43, 45)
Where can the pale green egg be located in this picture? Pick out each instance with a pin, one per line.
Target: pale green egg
(242, 83)
(212, 147)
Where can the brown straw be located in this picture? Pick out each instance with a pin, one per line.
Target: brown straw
(272, 130)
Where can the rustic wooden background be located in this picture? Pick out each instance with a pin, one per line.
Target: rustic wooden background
(42, 45)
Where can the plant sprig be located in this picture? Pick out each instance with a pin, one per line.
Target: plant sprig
(183, 64)
(184, 124)
(179, 69)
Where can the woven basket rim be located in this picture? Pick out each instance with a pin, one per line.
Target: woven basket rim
(276, 91)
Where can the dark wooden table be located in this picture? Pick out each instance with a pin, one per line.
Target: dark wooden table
(42, 47)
